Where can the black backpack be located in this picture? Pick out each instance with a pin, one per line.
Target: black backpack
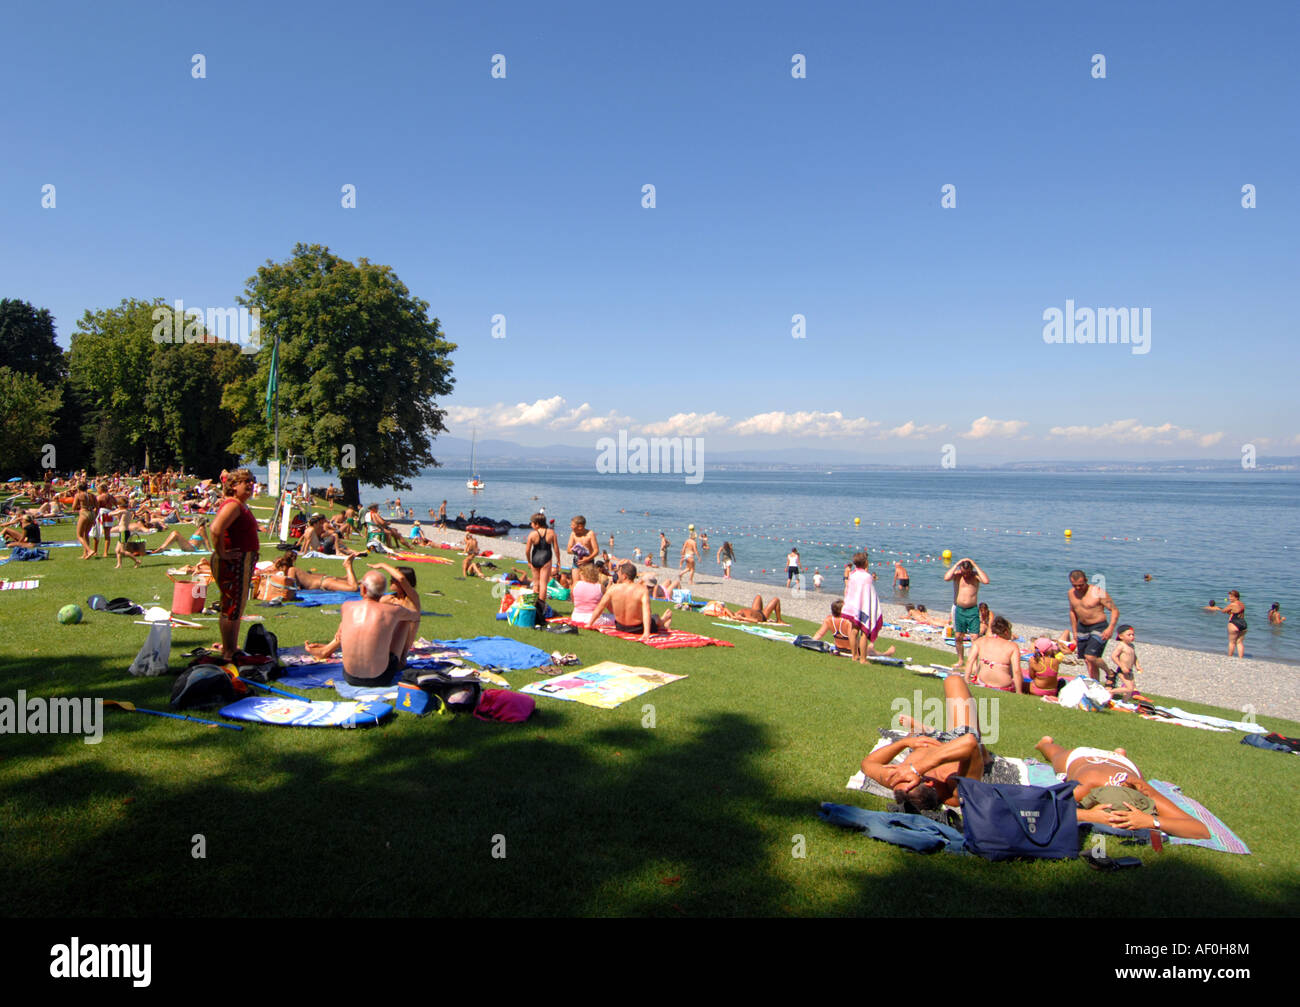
(261, 642)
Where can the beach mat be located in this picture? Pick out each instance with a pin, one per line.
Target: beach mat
(606, 685)
(660, 641)
(498, 652)
(760, 630)
(415, 557)
(306, 713)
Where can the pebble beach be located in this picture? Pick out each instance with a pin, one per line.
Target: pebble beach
(1266, 688)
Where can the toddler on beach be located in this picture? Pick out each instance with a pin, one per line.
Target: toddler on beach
(1124, 682)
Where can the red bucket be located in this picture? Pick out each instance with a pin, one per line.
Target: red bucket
(188, 597)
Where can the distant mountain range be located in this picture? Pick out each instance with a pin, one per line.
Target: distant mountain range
(455, 451)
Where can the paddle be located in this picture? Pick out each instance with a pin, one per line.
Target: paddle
(132, 708)
(278, 692)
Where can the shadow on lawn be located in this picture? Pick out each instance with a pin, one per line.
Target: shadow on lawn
(404, 820)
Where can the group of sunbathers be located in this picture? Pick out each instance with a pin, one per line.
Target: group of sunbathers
(1110, 789)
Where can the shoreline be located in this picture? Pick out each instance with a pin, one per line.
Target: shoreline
(1270, 687)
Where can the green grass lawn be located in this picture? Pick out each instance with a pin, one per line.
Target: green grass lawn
(697, 815)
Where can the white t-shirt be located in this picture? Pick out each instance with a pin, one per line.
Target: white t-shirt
(792, 559)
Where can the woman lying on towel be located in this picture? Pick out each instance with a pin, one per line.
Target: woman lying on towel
(756, 612)
(1111, 791)
(286, 578)
(927, 776)
(198, 539)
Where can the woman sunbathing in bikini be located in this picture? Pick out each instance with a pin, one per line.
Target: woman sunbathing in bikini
(198, 539)
(310, 580)
(927, 776)
(1142, 807)
(994, 660)
(757, 612)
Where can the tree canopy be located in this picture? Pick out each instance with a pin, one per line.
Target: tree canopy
(27, 342)
(28, 410)
(359, 368)
(142, 395)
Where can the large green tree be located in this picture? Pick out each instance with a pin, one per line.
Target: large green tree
(359, 368)
(163, 399)
(28, 410)
(27, 342)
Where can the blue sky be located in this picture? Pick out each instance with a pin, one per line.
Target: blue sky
(775, 196)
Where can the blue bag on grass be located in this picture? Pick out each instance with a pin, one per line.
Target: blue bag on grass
(1003, 821)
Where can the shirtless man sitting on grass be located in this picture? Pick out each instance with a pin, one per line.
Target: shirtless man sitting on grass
(629, 600)
(372, 635)
(927, 776)
(1142, 807)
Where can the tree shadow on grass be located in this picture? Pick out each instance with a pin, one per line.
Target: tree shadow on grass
(405, 819)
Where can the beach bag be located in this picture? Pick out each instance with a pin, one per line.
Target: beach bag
(457, 695)
(205, 684)
(505, 706)
(153, 656)
(1083, 693)
(522, 615)
(808, 643)
(1004, 821)
(123, 606)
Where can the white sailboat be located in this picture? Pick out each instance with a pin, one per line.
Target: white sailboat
(474, 482)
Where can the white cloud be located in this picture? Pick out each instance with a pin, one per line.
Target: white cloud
(602, 424)
(805, 424)
(912, 429)
(1132, 432)
(686, 425)
(987, 427)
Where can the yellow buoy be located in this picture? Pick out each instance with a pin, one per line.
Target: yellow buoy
(857, 520)
(947, 555)
(1068, 533)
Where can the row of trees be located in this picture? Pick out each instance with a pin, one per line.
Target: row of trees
(357, 363)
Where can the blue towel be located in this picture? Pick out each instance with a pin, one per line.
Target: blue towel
(313, 676)
(311, 599)
(498, 652)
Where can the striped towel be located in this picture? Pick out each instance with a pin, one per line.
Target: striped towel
(18, 585)
(1221, 837)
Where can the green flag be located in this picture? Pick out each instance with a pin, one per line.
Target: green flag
(273, 382)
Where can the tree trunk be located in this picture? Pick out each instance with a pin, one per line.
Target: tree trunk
(351, 491)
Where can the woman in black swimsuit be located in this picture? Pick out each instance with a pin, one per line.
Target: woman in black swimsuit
(541, 550)
(1236, 612)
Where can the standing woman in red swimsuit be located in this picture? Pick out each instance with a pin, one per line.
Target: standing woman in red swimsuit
(235, 541)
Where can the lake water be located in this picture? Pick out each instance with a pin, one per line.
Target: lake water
(1198, 535)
